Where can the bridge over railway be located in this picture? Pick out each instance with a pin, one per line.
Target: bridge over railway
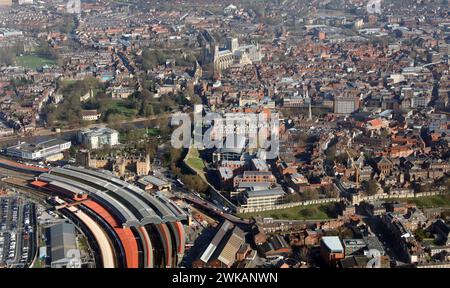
(214, 210)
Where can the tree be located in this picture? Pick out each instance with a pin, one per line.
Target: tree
(308, 212)
(148, 110)
(115, 119)
(73, 118)
(330, 153)
(421, 234)
(303, 254)
(68, 24)
(174, 155)
(195, 183)
(346, 233)
(329, 192)
(310, 194)
(104, 105)
(295, 197)
(134, 135)
(370, 186)
(72, 151)
(7, 57)
(342, 158)
(162, 124)
(153, 58)
(195, 99)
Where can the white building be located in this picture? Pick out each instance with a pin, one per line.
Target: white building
(95, 138)
(90, 115)
(25, 2)
(48, 150)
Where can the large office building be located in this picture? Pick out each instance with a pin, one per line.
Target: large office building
(50, 150)
(264, 199)
(346, 105)
(96, 138)
(255, 177)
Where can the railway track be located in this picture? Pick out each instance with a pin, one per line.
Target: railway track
(18, 175)
(36, 195)
(12, 179)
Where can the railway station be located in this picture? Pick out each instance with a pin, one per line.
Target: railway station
(128, 227)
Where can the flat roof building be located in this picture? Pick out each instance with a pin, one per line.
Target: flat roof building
(346, 105)
(354, 246)
(95, 138)
(264, 199)
(259, 165)
(153, 183)
(44, 150)
(331, 250)
(63, 248)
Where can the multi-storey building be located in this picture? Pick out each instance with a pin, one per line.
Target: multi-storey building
(95, 138)
(345, 105)
(262, 199)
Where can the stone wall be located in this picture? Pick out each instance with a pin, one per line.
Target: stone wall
(358, 199)
(289, 205)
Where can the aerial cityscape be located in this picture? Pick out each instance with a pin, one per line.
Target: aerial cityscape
(224, 134)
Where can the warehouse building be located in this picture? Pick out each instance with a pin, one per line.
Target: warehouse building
(63, 248)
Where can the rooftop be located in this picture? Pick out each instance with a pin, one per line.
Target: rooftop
(152, 180)
(333, 243)
(29, 147)
(278, 191)
(97, 131)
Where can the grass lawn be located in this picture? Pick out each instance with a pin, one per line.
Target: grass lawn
(33, 61)
(432, 201)
(65, 83)
(122, 109)
(310, 212)
(37, 263)
(429, 241)
(96, 91)
(194, 160)
(153, 132)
